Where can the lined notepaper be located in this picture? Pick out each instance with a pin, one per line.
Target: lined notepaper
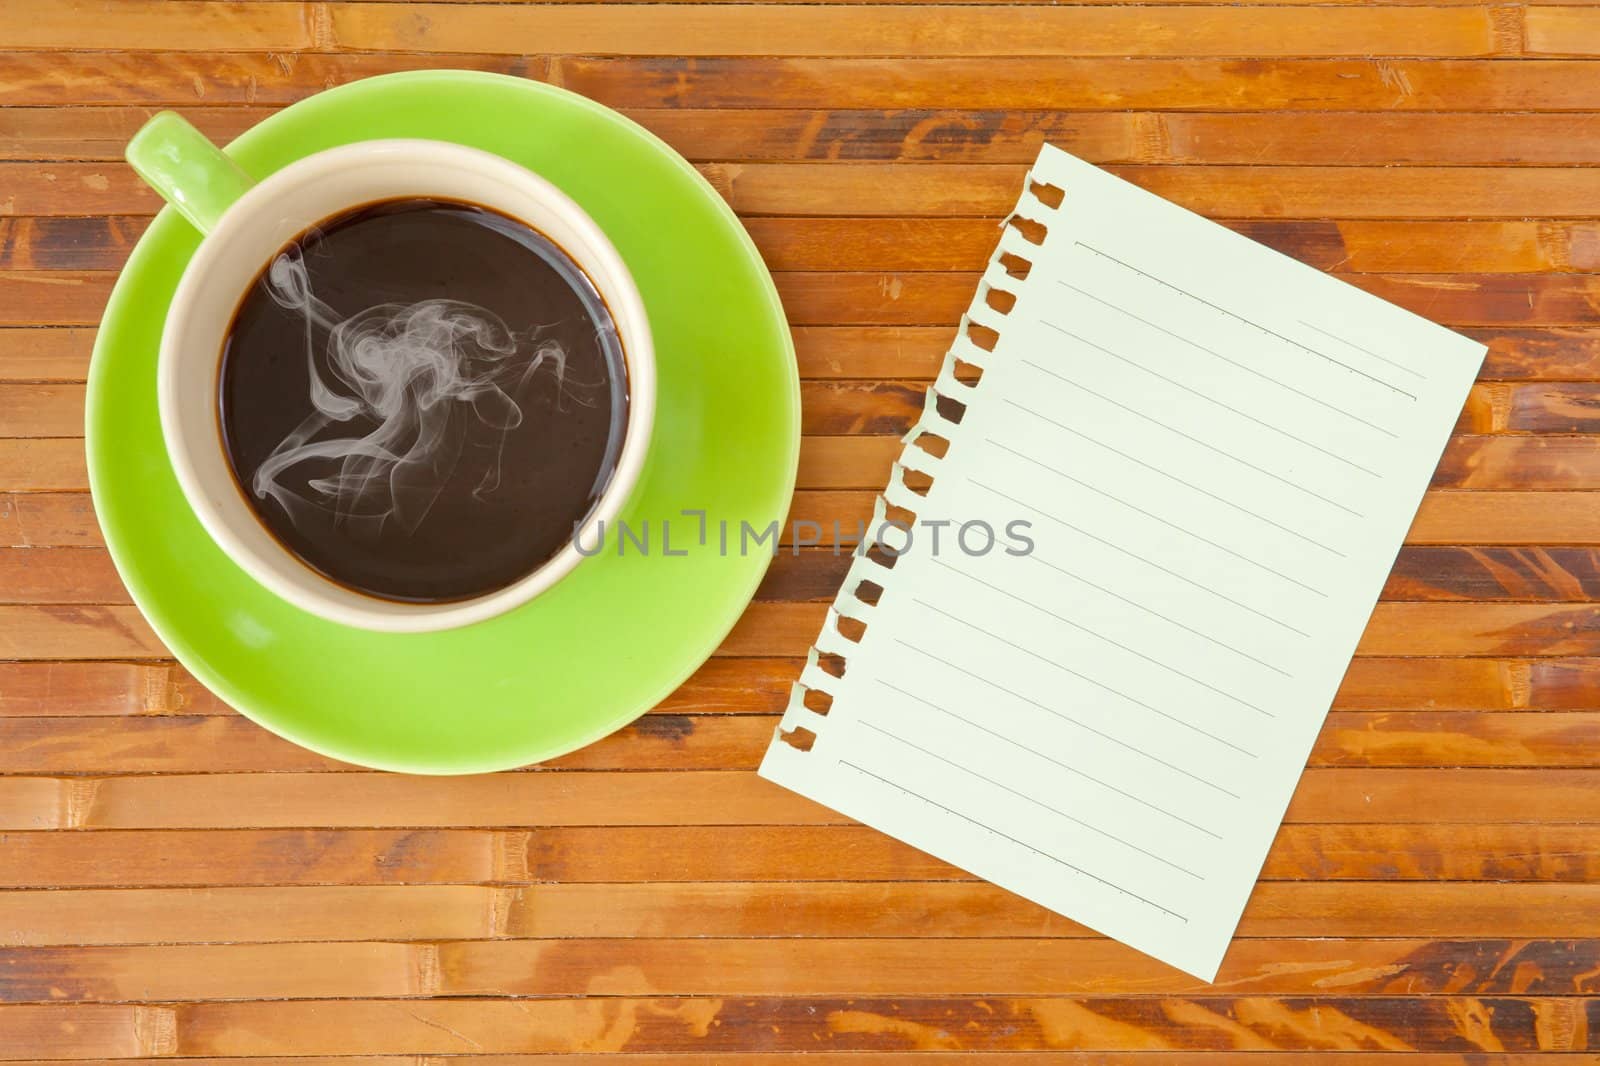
(1216, 452)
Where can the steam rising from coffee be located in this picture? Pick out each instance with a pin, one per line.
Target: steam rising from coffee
(438, 377)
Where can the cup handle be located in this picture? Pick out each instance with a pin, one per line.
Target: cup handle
(190, 173)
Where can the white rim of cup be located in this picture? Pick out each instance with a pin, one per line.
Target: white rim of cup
(620, 294)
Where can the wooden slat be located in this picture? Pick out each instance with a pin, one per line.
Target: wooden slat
(1499, 464)
(1566, 408)
(1562, 30)
(85, 1032)
(962, 244)
(1223, 191)
(1009, 3)
(822, 967)
(984, 190)
(853, 853)
(726, 686)
(177, 79)
(77, 190)
(47, 518)
(59, 575)
(898, 352)
(551, 1026)
(1534, 574)
(214, 743)
(1391, 138)
(48, 134)
(914, 352)
(639, 798)
(1503, 517)
(784, 629)
(178, 858)
(1534, 462)
(446, 1026)
(50, 464)
(45, 354)
(1134, 82)
(900, 1058)
(190, 915)
(41, 410)
(91, 242)
(76, 298)
(895, 1058)
(236, 77)
(54, 297)
(72, 631)
(712, 30)
(170, 26)
(223, 857)
(834, 414)
(1354, 246)
(843, 408)
(1441, 684)
(300, 800)
(798, 967)
(56, 519)
(1396, 629)
(761, 686)
(958, 909)
(779, 134)
(1564, 683)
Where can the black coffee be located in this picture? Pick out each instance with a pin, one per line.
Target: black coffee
(421, 398)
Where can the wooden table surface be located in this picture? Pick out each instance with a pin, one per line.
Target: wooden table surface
(175, 881)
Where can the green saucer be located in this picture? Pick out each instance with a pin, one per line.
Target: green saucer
(611, 639)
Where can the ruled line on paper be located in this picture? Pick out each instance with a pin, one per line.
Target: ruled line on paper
(1069, 718)
(1036, 509)
(1347, 342)
(1319, 401)
(1248, 321)
(1006, 836)
(1036, 801)
(1155, 517)
(1213, 400)
(1080, 627)
(1096, 682)
(1173, 429)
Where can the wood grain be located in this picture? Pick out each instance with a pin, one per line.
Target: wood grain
(1170, 1057)
(1129, 82)
(761, 686)
(31, 243)
(803, 910)
(208, 743)
(896, 352)
(446, 1026)
(839, 409)
(73, 298)
(984, 190)
(1533, 573)
(883, 352)
(950, 135)
(1448, 517)
(712, 797)
(732, 30)
(792, 967)
(628, 854)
